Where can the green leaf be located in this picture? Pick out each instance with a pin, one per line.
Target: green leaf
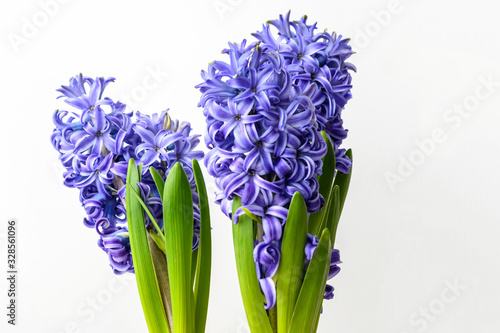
(147, 283)
(311, 294)
(194, 263)
(160, 265)
(160, 242)
(273, 317)
(160, 184)
(333, 217)
(252, 215)
(204, 264)
(342, 181)
(140, 170)
(325, 186)
(243, 241)
(291, 269)
(146, 209)
(178, 220)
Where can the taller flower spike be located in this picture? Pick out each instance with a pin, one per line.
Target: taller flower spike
(264, 111)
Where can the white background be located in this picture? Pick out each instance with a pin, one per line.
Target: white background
(403, 241)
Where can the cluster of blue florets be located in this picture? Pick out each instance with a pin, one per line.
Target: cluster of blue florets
(265, 109)
(95, 142)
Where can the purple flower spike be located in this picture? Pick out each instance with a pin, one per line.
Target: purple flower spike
(95, 142)
(265, 109)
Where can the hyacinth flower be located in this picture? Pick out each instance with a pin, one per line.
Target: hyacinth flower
(274, 129)
(152, 220)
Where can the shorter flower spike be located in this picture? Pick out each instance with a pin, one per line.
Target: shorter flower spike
(95, 141)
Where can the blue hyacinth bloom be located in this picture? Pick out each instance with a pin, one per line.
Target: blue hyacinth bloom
(95, 142)
(265, 108)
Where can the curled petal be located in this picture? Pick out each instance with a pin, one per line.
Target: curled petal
(272, 229)
(328, 292)
(269, 290)
(267, 255)
(311, 244)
